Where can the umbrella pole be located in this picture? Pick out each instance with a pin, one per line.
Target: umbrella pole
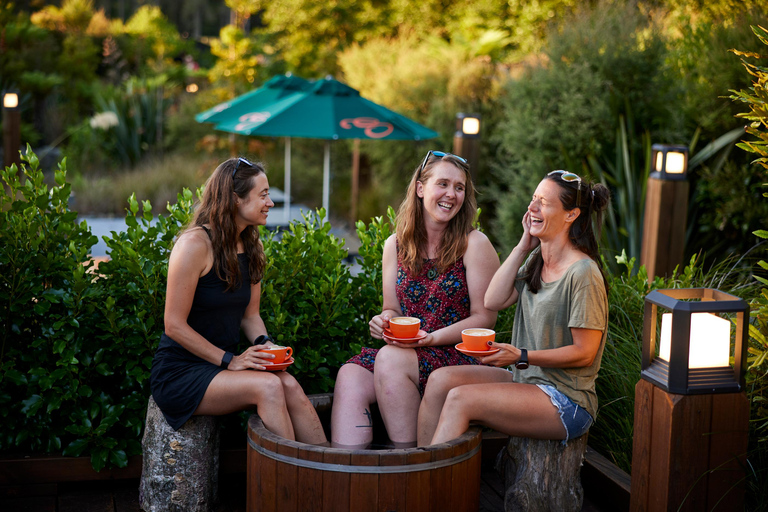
(287, 187)
(355, 180)
(327, 178)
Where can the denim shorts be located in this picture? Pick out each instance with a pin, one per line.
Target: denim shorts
(576, 420)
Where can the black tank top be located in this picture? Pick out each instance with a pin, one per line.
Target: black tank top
(216, 313)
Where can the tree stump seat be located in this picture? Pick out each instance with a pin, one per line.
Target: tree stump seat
(542, 475)
(180, 469)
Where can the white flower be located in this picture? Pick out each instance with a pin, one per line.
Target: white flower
(104, 120)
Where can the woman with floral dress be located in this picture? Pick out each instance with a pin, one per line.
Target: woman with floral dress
(436, 267)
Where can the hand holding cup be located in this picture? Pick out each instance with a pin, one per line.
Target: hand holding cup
(282, 354)
(404, 326)
(477, 339)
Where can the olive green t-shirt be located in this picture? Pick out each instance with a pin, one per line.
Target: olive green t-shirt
(543, 320)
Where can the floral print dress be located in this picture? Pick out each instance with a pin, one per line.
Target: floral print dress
(439, 300)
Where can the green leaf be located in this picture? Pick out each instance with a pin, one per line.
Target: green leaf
(31, 405)
(15, 377)
(118, 458)
(75, 448)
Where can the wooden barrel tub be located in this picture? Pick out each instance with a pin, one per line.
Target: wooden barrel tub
(289, 476)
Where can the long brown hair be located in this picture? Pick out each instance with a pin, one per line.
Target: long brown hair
(218, 208)
(411, 233)
(590, 199)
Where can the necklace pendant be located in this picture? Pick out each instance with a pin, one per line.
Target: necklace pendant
(432, 274)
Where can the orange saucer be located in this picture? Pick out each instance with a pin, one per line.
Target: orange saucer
(460, 348)
(276, 367)
(391, 337)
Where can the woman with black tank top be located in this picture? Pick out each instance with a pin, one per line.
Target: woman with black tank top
(214, 285)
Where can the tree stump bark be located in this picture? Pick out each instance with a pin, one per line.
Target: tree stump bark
(542, 475)
(180, 469)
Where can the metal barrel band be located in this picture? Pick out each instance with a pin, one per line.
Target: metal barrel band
(344, 468)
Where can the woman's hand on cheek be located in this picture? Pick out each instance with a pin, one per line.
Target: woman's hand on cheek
(528, 242)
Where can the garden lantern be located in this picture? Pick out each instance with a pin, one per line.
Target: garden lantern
(691, 410)
(468, 126)
(670, 162)
(694, 341)
(666, 210)
(466, 140)
(11, 129)
(10, 100)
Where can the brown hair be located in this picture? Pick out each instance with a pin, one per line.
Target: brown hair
(589, 198)
(217, 209)
(411, 234)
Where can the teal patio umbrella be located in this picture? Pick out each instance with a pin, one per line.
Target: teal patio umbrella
(275, 89)
(328, 110)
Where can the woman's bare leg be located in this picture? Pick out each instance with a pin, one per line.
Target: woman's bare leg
(231, 391)
(516, 409)
(396, 378)
(440, 382)
(351, 420)
(306, 423)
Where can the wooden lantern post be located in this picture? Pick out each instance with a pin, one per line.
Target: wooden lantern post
(466, 141)
(666, 209)
(691, 410)
(11, 129)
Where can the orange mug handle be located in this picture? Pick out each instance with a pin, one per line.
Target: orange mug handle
(288, 353)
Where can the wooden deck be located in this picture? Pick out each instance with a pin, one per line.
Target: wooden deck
(123, 496)
(29, 485)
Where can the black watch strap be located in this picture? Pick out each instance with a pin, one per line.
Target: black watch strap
(522, 363)
(262, 338)
(226, 359)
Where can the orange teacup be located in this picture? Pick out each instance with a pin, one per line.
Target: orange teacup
(477, 339)
(282, 354)
(404, 326)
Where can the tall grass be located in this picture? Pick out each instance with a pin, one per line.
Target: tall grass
(158, 180)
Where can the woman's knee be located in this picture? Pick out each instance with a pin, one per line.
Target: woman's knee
(440, 382)
(268, 390)
(291, 386)
(355, 383)
(456, 398)
(393, 361)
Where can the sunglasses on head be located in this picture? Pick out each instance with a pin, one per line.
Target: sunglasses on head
(237, 165)
(438, 154)
(570, 178)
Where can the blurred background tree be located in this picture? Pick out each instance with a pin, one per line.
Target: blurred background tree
(581, 85)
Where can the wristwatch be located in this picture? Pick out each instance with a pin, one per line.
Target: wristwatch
(522, 363)
(226, 359)
(262, 338)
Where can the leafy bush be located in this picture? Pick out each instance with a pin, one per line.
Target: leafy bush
(308, 299)
(599, 97)
(77, 341)
(550, 115)
(754, 99)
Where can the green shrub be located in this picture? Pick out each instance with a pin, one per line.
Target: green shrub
(602, 88)
(77, 343)
(550, 116)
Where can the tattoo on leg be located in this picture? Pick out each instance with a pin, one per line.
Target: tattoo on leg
(370, 420)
